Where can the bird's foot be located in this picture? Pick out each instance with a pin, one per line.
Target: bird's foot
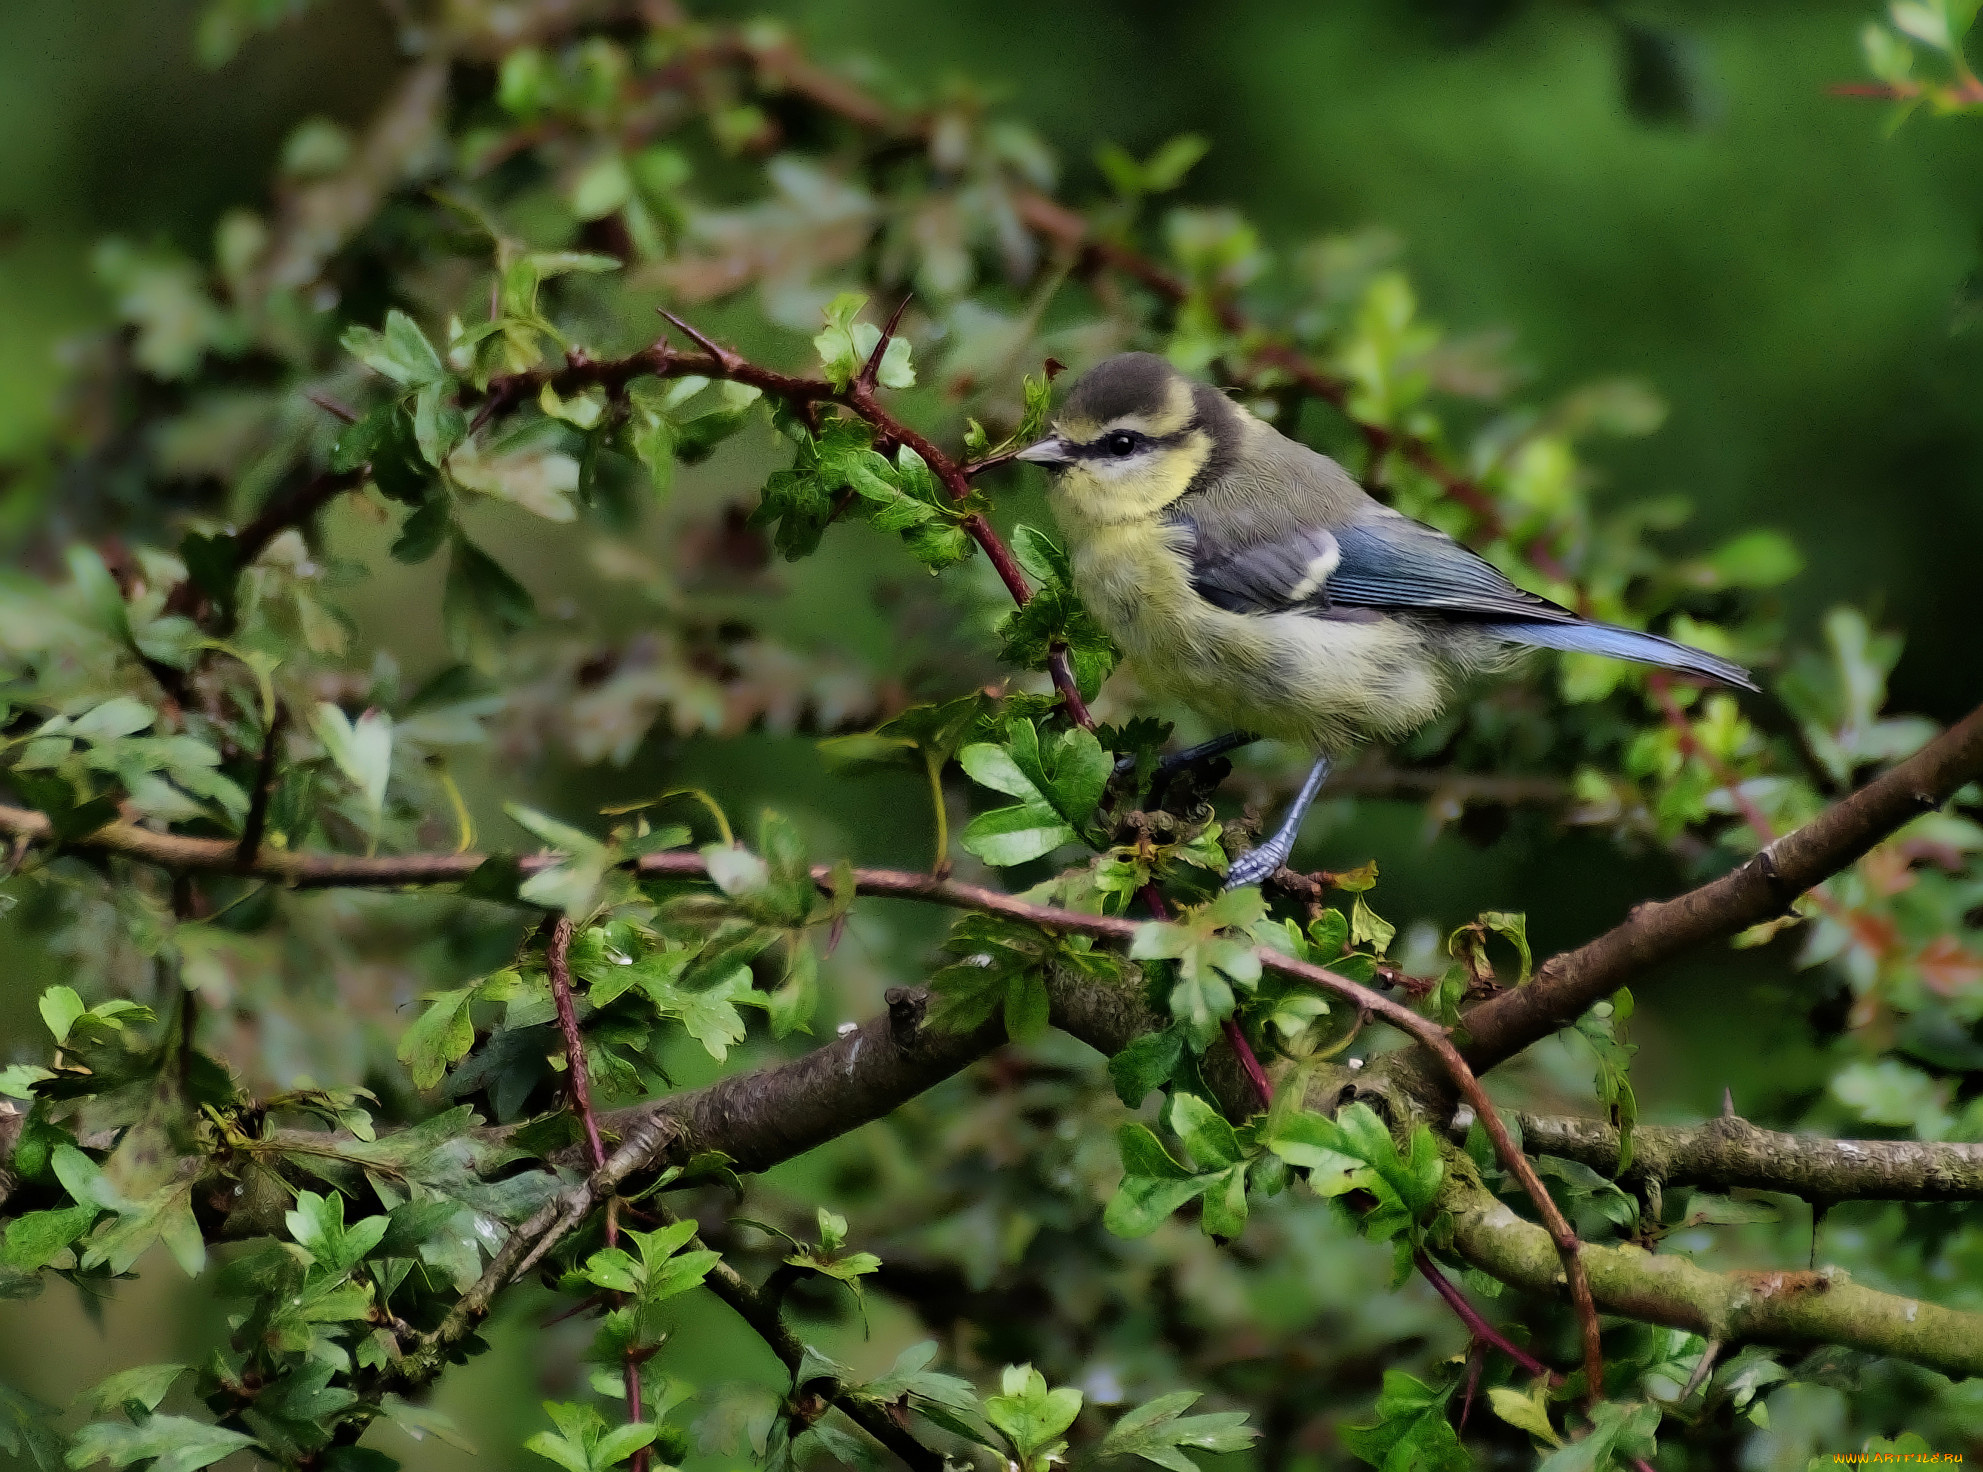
(1257, 866)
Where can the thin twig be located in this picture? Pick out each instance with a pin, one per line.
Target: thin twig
(331, 406)
(1477, 1326)
(557, 960)
(1432, 1037)
(760, 1311)
(1566, 985)
(1703, 1367)
(871, 370)
(256, 823)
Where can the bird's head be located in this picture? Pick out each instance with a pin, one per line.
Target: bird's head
(1135, 435)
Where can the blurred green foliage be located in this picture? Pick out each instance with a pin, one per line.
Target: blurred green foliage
(1672, 197)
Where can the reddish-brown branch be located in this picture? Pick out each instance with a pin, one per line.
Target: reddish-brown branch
(1758, 890)
(871, 370)
(1477, 1326)
(1433, 1038)
(440, 868)
(557, 961)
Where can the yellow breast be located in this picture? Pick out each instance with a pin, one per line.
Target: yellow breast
(1321, 683)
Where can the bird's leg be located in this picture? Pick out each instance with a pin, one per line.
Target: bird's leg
(1256, 866)
(1171, 765)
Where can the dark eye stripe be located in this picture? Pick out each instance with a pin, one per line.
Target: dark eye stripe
(1098, 448)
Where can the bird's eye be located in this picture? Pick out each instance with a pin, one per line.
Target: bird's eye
(1120, 443)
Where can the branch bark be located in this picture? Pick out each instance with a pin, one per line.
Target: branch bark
(1728, 1152)
(1760, 889)
(1790, 1308)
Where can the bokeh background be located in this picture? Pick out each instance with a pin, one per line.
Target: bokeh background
(1664, 190)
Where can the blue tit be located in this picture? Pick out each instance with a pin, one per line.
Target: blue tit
(1254, 580)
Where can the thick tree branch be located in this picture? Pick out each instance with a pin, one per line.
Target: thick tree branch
(831, 1090)
(1729, 1152)
(1760, 889)
(1794, 1309)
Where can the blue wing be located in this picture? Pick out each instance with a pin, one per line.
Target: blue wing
(1394, 564)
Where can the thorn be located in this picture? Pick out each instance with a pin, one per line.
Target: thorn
(871, 370)
(331, 406)
(725, 359)
(1473, 1383)
(1727, 1102)
(1701, 1368)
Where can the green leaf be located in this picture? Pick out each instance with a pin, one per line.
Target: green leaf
(1603, 1027)
(1204, 1132)
(1030, 1415)
(1027, 1010)
(1528, 1412)
(1411, 1433)
(1617, 1430)
(28, 1429)
(1007, 836)
(1210, 961)
(1224, 1214)
(582, 1442)
(1367, 927)
(83, 1178)
(360, 749)
(481, 598)
(424, 531)
(144, 1384)
(357, 441)
(1159, 1432)
(60, 1007)
(439, 1038)
(1153, 1188)
(401, 353)
(179, 1444)
(37, 1238)
(317, 1224)
(1147, 1063)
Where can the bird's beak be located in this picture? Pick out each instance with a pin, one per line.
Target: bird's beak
(1052, 452)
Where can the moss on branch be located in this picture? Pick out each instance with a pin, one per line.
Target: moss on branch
(1730, 1152)
(1794, 1309)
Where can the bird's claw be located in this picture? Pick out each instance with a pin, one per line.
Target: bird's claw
(1257, 866)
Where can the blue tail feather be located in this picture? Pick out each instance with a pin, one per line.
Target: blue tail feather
(1609, 639)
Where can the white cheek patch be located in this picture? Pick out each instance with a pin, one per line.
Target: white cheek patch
(1110, 469)
(1316, 575)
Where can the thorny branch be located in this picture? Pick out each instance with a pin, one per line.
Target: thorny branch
(779, 66)
(557, 963)
(1477, 1326)
(1760, 889)
(1430, 1035)
(1729, 1151)
(1565, 986)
